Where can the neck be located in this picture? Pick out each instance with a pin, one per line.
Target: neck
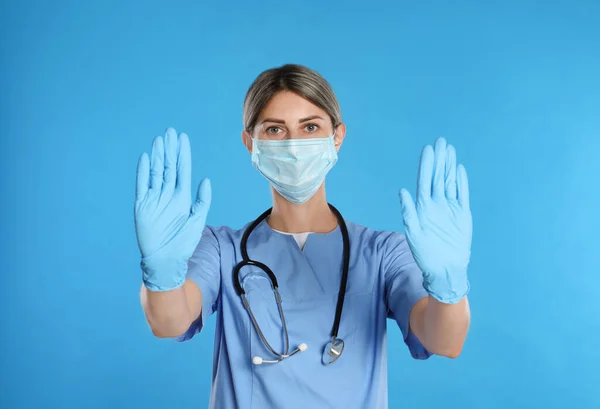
(313, 216)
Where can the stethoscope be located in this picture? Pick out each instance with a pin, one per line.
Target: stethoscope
(334, 348)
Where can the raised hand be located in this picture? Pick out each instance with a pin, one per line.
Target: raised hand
(439, 227)
(168, 226)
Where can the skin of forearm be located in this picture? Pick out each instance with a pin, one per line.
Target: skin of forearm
(446, 326)
(167, 312)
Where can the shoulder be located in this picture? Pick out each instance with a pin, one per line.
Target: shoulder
(217, 241)
(382, 240)
(225, 234)
(387, 251)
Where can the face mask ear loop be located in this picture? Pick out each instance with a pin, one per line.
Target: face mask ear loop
(254, 145)
(333, 137)
(335, 127)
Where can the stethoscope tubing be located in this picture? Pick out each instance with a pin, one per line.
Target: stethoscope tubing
(246, 261)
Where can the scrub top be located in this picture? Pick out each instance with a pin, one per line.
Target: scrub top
(383, 282)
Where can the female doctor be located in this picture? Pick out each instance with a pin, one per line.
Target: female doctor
(301, 295)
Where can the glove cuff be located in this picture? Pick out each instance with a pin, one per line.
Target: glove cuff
(449, 289)
(161, 273)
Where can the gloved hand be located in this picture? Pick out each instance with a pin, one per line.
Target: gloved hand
(439, 228)
(168, 227)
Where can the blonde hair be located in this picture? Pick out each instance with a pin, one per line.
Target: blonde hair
(298, 79)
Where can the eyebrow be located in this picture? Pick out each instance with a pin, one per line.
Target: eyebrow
(279, 121)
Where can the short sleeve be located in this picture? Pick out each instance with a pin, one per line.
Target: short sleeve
(204, 269)
(403, 288)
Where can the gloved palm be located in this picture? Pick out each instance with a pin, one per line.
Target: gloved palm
(168, 227)
(439, 227)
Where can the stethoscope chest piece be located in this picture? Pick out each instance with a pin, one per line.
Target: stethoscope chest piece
(333, 350)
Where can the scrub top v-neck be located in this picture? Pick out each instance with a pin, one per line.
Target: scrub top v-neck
(383, 282)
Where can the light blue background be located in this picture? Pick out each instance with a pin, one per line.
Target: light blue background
(514, 85)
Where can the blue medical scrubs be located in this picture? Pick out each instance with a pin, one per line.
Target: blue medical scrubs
(383, 282)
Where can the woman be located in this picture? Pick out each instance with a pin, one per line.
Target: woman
(314, 335)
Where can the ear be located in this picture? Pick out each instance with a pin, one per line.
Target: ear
(340, 134)
(247, 140)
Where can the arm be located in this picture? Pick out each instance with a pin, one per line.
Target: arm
(439, 230)
(179, 252)
(168, 228)
(180, 313)
(441, 328)
(171, 313)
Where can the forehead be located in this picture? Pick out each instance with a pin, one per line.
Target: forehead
(288, 105)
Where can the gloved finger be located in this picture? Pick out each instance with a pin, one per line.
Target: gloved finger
(439, 170)
(142, 177)
(450, 184)
(425, 175)
(203, 199)
(157, 164)
(170, 173)
(184, 164)
(463, 186)
(409, 211)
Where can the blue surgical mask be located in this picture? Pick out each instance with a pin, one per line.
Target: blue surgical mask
(296, 168)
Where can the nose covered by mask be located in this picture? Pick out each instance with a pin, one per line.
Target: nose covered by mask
(296, 168)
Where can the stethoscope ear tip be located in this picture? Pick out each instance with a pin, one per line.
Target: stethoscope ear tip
(302, 347)
(257, 360)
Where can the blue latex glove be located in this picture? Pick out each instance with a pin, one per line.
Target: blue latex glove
(439, 228)
(168, 227)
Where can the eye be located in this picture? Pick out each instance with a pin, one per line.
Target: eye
(273, 130)
(311, 127)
